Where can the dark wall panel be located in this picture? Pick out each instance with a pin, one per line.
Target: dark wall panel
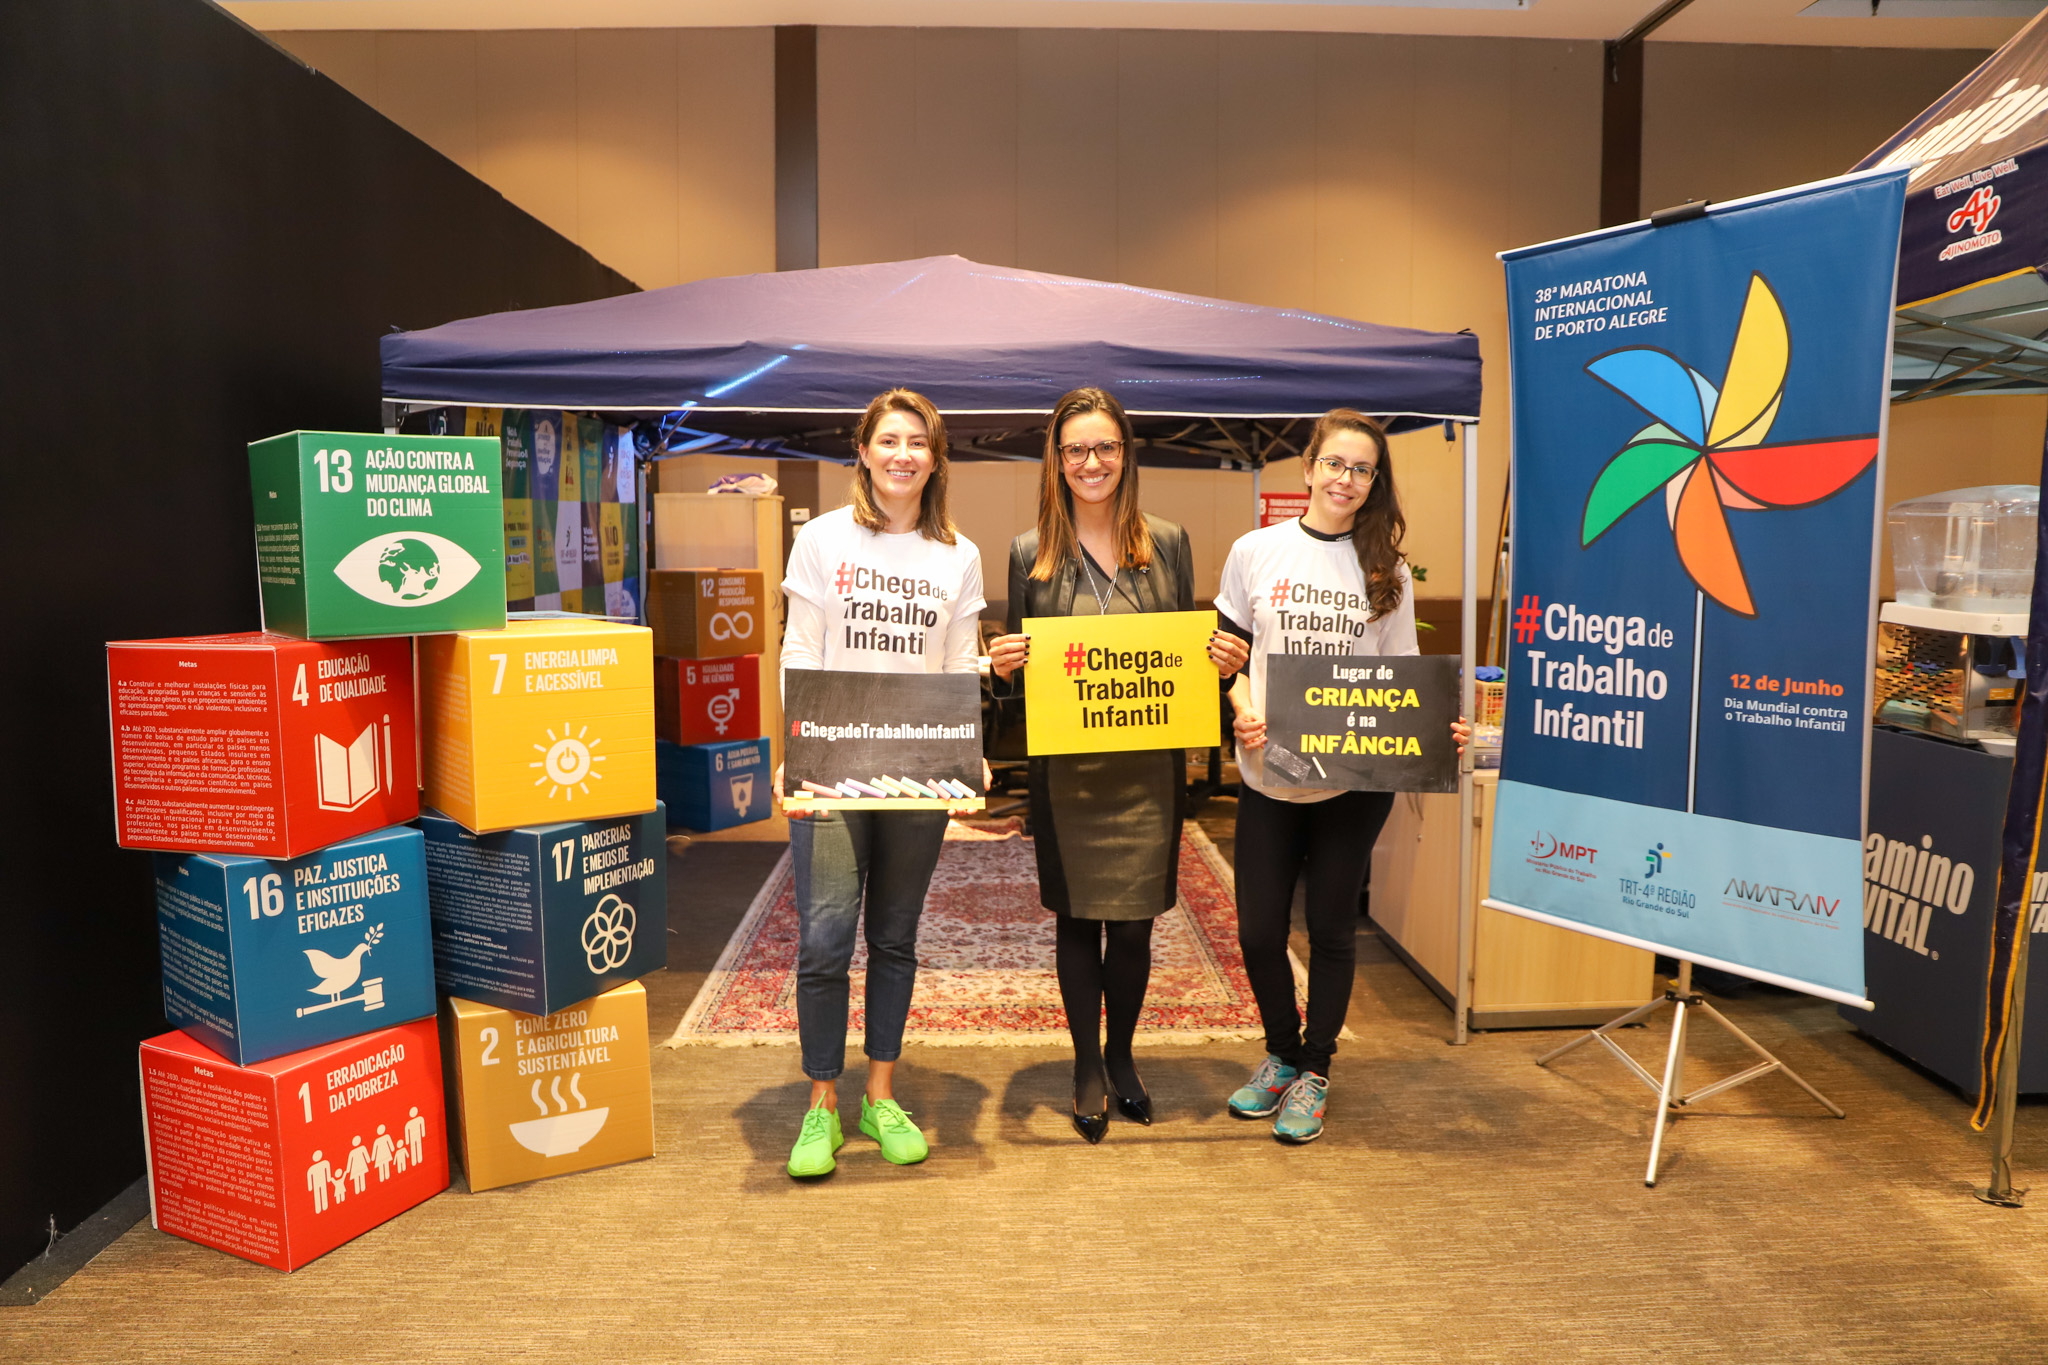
(203, 240)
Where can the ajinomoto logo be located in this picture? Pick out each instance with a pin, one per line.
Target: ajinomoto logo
(1706, 452)
(407, 569)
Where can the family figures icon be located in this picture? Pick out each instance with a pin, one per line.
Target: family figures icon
(332, 1180)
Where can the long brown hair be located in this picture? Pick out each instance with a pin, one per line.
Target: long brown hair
(1057, 542)
(933, 522)
(1378, 527)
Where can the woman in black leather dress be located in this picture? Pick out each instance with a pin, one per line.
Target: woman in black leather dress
(1106, 826)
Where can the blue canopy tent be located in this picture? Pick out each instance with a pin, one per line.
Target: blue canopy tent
(1973, 301)
(780, 365)
(1972, 318)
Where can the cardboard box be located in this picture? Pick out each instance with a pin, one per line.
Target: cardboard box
(538, 918)
(360, 534)
(543, 721)
(707, 701)
(281, 1162)
(707, 613)
(716, 786)
(260, 744)
(266, 957)
(533, 1096)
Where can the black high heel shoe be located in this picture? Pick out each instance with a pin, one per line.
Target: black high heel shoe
(1138, 1110)
(1093, 1127)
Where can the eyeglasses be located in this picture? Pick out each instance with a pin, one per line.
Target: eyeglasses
(1337, 469)
(1108, 452)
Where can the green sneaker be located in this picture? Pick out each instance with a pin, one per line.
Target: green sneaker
(820, 1138)
(888, 1124)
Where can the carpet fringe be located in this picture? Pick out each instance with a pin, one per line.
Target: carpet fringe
(1012, 1038)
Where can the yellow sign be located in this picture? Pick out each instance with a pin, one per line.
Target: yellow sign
(539, 1095)
(542, 721)
(1097, 684)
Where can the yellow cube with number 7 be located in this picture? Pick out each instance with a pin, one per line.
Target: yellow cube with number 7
(545, 720)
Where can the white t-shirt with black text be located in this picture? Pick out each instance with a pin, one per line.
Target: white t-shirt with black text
(867, 602)
(1300, 594)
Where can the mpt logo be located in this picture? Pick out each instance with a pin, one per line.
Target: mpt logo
(1547, 846)
(1977, 211)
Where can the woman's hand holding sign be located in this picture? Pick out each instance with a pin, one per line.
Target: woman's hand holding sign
(1228, 652)
(1008, 653)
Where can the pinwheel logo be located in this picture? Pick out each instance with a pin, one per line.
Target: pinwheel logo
(1706, 448)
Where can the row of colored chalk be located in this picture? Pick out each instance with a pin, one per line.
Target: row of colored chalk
(931, 789)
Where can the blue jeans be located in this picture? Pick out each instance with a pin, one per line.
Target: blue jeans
(838, 855)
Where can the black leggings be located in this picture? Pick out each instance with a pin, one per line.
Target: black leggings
(1104, 966)
(1274, 839)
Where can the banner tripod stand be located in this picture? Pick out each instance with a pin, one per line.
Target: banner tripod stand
(1680, 995)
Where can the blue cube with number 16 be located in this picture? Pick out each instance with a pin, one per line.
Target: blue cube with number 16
(267, 956)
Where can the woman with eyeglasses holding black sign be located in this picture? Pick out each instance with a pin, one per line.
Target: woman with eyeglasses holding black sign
(1343, 555)
(1106, 827)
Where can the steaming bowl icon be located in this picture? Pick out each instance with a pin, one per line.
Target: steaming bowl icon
(560, 1134)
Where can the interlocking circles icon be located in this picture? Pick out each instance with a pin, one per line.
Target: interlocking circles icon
(608, 935)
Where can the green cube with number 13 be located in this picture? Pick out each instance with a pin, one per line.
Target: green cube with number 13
(366, 534)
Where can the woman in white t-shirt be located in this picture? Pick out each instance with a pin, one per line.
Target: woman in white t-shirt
(1343, 558)
(894, 537)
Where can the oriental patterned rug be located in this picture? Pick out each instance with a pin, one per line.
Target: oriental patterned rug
(985, 957)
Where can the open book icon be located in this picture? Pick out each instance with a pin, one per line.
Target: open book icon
(348, 773)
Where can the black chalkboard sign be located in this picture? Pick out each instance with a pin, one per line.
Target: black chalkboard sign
(882, 741)
(1362, 723)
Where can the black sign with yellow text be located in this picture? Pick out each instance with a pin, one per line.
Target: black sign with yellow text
(1362, 723)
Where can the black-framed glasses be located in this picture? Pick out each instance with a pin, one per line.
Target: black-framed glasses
(1337, 469)
(1108, 452)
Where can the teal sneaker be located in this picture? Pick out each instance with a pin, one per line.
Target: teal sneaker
(887, 1123)
(1260, 1096)
(1301, 1112)
(820, 1138)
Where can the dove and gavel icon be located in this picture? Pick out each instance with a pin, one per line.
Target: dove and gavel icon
(337, 974)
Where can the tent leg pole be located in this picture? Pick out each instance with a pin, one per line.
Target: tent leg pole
(2005, 1106)
(1468, 646)
(644, 511)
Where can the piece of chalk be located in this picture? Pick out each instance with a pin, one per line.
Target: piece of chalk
(848, 789)
(888, 788)
(905, 787)
(956, 788)
(921, 788)
(863, 789)
(813, 787)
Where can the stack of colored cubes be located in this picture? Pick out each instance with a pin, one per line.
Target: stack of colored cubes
(299, 1100)
(710, 627)
(547, 862)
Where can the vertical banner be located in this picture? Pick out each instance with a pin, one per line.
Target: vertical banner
(1698, 420)
(572, 533)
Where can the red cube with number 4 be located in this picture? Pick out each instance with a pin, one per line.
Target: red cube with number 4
(281, 1162)
(260, 744)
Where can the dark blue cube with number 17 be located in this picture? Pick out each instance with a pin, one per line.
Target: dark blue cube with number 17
(537, 918)
(267, 956)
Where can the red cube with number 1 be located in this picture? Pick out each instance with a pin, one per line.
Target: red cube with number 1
(281, 1162)
(260, 744)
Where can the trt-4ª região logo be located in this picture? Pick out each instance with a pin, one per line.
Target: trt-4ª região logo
(1706, 449)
